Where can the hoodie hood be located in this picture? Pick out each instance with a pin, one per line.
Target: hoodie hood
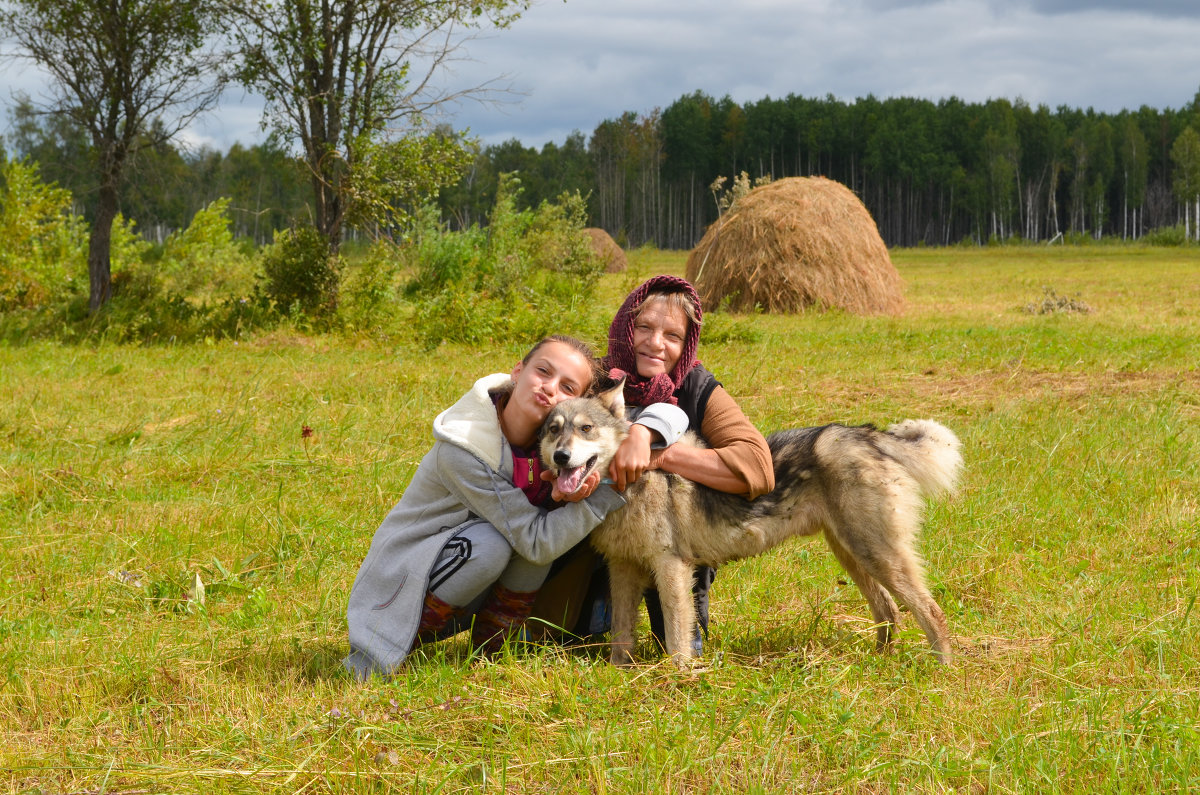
(472, 424)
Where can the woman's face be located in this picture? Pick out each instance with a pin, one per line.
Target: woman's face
(554, 373)
(659, 332)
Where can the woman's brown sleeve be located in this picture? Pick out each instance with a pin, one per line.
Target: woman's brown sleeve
(738, 444)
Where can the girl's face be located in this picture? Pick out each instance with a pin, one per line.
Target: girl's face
(659, 332)
(554, 373)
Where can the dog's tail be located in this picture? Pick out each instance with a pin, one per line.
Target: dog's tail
(930, 452)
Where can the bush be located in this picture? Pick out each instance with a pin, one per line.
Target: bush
(138, 313)
(127, 249)
(443, 259)
(1165, 236)
(524, 276)
(299, 272)
(369, 287)
(178, 296)
(203, 261)
(42, 245)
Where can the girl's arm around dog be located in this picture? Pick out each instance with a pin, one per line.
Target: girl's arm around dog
(537, 535)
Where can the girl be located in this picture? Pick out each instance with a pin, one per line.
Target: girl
(469, 542)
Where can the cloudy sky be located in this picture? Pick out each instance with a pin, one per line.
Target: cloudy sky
(573, 64)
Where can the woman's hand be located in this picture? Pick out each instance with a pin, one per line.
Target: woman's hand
(632, 458)
(582, 493)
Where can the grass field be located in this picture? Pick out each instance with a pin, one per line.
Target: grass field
(1068, 564)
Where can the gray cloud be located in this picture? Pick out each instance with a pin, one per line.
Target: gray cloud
(589, 60)
(580, 62)
(1155, 8)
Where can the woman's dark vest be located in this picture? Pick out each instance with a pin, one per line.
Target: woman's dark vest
(693, 394)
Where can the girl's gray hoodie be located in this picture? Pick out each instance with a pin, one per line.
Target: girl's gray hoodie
(465, 478)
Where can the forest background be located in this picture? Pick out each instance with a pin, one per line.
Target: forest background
(930, 173)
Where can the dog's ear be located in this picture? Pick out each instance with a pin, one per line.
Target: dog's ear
(613, 399)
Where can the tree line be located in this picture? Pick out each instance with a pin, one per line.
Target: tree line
(930, 173)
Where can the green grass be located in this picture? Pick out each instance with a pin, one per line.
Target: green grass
(1068, 564)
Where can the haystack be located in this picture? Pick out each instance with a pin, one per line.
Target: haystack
(607, 250)
(796, 243)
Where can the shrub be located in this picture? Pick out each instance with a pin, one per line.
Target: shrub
(127, 249)
(560, 257)
(369, 283)
(299, 272)
(42, 245)
(1165, 236)
(203, 261)
(441, 258)
(517, 279)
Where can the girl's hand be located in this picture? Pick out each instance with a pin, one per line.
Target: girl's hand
(582, 493)
(632, 458)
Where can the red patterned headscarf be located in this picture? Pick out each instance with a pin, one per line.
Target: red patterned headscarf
(621, 360)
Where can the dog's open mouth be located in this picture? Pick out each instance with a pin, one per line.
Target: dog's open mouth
(571, 478)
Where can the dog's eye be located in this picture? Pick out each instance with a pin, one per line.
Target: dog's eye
(585, 428)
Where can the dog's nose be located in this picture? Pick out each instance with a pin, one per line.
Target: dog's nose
(561, 457)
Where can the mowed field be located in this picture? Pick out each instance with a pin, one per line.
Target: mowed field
(1068, 564)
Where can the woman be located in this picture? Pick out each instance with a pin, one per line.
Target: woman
(471, 540)
(652, 343)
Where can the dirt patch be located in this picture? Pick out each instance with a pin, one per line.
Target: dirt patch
(940, 388)
(1066, 385)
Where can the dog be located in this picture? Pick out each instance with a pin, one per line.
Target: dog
(862, 487)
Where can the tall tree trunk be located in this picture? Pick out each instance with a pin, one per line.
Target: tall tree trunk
(100, 249)
(1125, 215)
(328, 214)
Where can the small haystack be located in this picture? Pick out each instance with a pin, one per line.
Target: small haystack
(607, 250)
(796, 243)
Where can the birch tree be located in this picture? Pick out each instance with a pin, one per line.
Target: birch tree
(131, 73)
(1185, 154)
(355, 84)
(1135, 164)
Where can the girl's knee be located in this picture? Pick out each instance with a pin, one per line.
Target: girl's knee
(470, 563)
(523, 576)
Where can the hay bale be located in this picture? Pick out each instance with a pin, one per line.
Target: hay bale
(797, 243)
(607, 250)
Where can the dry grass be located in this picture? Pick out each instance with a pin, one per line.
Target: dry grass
(612, 255)
(802, 242)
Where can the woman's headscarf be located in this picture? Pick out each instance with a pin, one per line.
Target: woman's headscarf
(621, 360)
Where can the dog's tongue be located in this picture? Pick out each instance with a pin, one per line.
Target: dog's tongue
(569, 480)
